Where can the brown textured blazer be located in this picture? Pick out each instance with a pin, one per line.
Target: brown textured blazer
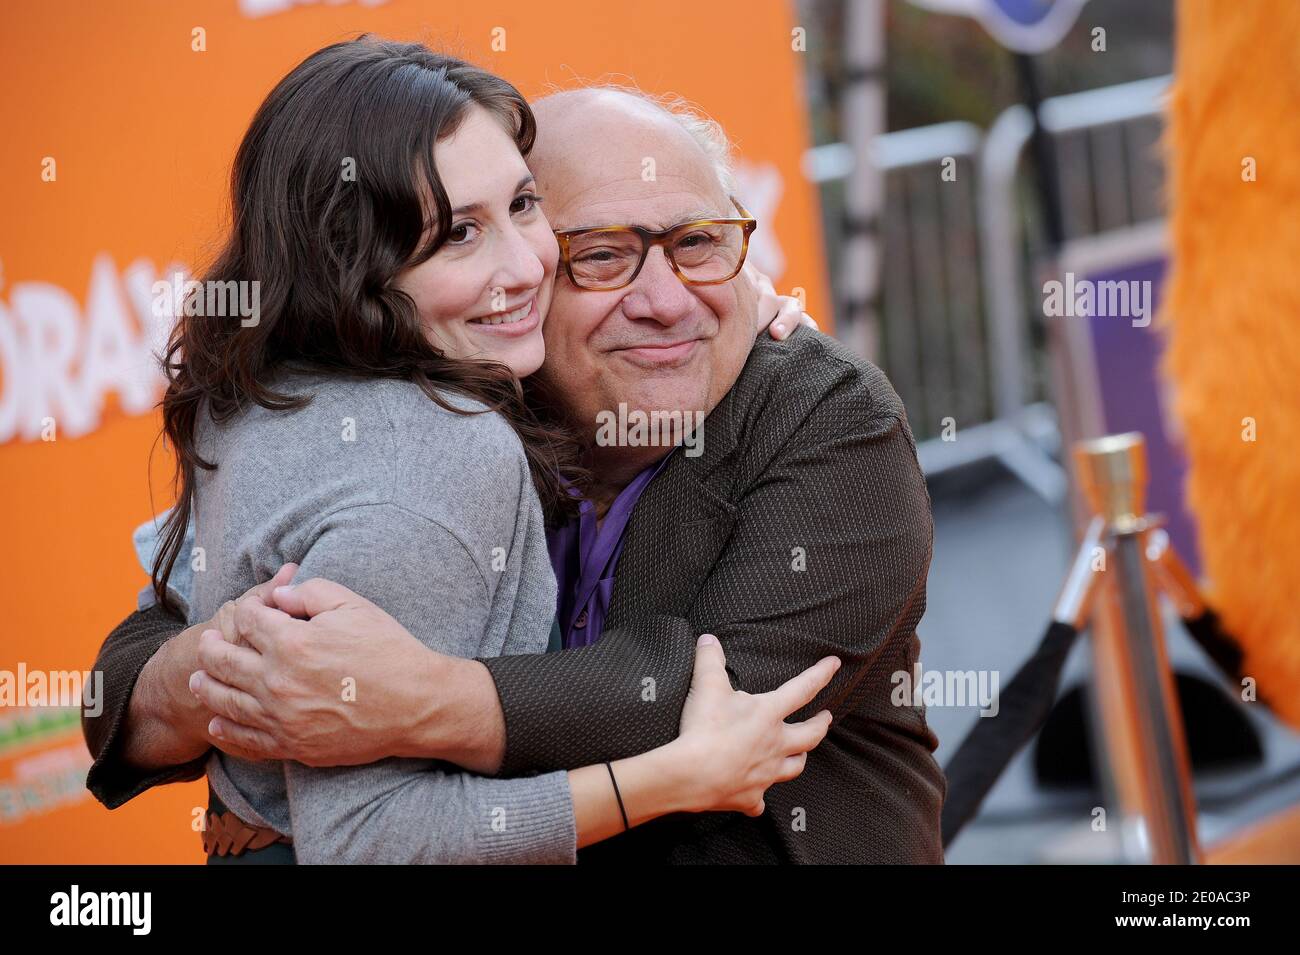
(802, 530)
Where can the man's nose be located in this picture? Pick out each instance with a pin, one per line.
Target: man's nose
(658, 293)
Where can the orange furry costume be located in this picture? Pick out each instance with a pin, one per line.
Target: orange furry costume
(1232, 298)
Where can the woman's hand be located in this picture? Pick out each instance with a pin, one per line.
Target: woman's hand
(734, 745)
(779, 314)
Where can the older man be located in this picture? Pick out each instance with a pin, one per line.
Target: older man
(801, 529)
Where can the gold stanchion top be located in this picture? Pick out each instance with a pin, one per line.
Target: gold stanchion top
(1112, 474)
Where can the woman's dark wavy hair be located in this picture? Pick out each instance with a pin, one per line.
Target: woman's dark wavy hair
(327, 248)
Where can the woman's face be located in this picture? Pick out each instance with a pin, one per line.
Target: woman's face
(485, 293)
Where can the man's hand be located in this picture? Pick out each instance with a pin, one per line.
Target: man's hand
(166, 725)
(346, 687)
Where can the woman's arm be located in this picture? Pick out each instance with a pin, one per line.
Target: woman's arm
(417, 810)
(732, 747)
(698, 771)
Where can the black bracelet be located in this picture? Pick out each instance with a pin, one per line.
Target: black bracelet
(618, 796)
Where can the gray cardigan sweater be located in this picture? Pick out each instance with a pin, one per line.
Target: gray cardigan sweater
(430, 514)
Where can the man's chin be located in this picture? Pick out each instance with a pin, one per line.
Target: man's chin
(666, 401)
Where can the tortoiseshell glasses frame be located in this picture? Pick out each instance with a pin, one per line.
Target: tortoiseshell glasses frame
(649, 238)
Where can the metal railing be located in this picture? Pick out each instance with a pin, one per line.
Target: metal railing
(957, 327)
(931, 317)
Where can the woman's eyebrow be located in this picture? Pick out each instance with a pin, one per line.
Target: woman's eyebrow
(478, 206)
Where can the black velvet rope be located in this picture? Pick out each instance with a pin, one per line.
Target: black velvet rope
(1024, 706)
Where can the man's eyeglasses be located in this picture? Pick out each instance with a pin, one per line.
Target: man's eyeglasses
(703, 252)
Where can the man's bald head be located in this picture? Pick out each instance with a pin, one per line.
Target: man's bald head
(614, 133)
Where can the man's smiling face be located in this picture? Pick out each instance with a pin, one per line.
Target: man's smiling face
(607, 158)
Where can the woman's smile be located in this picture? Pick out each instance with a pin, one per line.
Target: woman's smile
(513, 323)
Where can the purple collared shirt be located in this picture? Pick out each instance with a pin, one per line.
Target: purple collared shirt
(584, 558)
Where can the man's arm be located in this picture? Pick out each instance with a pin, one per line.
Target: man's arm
(145, 734)
(152, 730)
(844, 487)
(846, 490)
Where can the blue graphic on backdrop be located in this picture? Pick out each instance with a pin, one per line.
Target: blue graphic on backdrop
(1026, 26)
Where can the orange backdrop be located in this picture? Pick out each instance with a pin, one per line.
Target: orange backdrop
(118, 141)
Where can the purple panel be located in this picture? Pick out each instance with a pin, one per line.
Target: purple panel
(1132, 400)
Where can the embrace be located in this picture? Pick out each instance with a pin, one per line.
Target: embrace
(418, 601)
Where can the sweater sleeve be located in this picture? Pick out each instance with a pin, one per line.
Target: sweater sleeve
(410, 810)
(112, 780)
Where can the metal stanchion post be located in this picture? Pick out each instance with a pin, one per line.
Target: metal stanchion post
(1133, 687)
(1124, 561)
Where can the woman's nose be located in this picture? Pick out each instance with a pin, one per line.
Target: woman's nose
(522, 266)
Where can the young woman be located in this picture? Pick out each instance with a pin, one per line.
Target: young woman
(370, 428)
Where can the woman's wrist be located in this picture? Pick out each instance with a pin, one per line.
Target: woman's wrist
(657, 783)
(662, 781)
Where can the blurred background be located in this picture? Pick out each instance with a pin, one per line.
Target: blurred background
(938, 247)
(921, 170)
